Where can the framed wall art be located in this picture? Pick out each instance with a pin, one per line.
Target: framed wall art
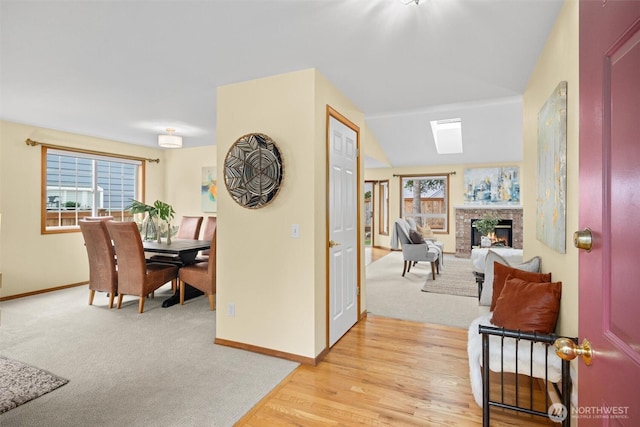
(209, 189)
(492, 186)
(551, 208)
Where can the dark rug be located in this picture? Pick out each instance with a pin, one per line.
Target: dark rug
(20, 383)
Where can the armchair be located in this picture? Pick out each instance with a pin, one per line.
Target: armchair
(414, 250)
(429, 238)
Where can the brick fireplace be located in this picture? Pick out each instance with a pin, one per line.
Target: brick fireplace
(465, 215)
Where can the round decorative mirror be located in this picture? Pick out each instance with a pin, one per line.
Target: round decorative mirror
(253, 170)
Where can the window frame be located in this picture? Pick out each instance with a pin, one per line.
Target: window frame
(446, 215)
(383, 224)
(88, 154)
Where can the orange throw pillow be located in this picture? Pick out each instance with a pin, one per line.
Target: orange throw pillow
(528, 306)
(500, 273)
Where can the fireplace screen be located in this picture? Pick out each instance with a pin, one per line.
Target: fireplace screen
(503, 234)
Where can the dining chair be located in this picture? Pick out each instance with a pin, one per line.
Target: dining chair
(189, 229)
(209, 228)
(201, 275)
(103, 275)
(135, 275)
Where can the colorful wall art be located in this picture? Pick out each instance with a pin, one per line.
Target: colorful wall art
(209, 190)
(492, 186)
(552, 171)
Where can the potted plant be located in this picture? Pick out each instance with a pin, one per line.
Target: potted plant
(164, 212)
(159, 211)
(486, 225)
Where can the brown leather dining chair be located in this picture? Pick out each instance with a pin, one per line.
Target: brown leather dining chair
(103, 276)
(209, 228)
(201, 275)
(189, 229)
(135, 275)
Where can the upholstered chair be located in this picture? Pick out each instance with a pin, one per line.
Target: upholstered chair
(189, 227)
(103, 275)
(414, 248)
(201, 275)
(209, 228)
(135, 275)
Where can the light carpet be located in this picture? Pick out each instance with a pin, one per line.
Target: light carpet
(160, 368)
(20, 383)
(391, 295)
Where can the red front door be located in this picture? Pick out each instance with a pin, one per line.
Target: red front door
(609, 314)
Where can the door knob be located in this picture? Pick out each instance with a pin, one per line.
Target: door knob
(567, 349)
(332, 243)
(583, 239)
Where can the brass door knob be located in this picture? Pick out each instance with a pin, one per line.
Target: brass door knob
(332, 243)
(583, 239)
(568, 350)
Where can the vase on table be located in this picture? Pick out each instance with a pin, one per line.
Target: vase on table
(159, 230)
(149, 229)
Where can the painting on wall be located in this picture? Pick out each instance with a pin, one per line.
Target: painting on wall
(552, 171)
(209, 190)
(492, 186)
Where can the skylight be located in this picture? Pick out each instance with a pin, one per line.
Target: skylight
(447, 135)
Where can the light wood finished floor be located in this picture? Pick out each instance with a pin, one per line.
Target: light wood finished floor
(384, 372)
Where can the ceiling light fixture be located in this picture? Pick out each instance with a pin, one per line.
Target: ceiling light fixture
(171, 140)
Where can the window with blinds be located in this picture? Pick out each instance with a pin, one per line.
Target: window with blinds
(78, 185)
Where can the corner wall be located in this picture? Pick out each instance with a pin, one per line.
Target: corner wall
(557, 62)
(277, 283)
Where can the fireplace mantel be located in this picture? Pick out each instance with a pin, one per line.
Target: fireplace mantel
(465, 213)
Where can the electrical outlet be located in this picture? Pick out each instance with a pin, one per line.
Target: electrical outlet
(231, 310)
(295, 230)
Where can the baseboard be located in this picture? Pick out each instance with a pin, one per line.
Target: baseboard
(43, 291)
(270, 352)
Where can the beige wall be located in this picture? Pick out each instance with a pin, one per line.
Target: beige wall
(558, 62)
(32, 261)
(277, 283)
(183, 176)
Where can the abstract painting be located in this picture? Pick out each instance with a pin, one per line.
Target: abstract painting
(209, 190)
(552, 171)
(492, 186)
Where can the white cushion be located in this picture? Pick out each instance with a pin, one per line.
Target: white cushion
(533, 265)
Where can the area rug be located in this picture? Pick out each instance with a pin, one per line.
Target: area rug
(456, 278)
(20, 383)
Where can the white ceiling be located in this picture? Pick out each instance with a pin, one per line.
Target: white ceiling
(127, 70)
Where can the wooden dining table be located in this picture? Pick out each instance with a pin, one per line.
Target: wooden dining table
(187, 250)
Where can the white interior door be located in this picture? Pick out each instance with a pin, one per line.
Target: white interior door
(343, 228)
